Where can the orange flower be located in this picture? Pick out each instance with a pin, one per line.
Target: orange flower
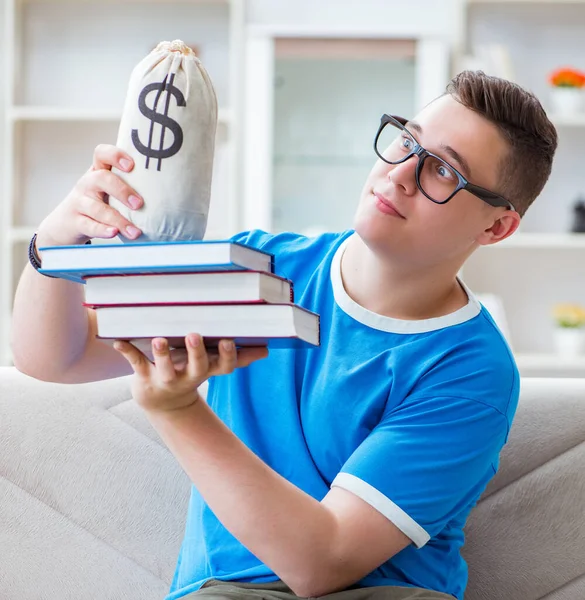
(567, 77)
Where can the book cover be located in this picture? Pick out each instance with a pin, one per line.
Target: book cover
(250, 324)
(76, 262)
(215, 287)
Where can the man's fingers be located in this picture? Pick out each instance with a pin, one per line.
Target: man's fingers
(198, 364)
(106, 156)
(247, 356)
(98, 183)
(162, 360)
(222, 360)
(103, 213)
(139, 363)
(179, 357)
(227, 357)
(94, 229)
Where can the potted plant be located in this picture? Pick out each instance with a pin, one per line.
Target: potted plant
(566, 91)
(569, 332)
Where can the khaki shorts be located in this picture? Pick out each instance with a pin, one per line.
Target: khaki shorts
(277, 590)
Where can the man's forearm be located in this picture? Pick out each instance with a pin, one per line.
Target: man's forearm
(49, 325)
(284, 527)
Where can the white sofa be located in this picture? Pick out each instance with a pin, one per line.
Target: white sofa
(92, 505)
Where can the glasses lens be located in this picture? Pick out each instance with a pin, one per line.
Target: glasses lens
(437, 179)
(394, 144)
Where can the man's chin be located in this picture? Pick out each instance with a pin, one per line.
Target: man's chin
(380, 238)
(370, 227)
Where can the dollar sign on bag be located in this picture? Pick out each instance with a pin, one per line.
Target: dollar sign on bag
(162, 119)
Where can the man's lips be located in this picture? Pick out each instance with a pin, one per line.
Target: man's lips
(387, 206)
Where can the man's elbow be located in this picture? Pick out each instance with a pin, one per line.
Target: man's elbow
(45, 370)
(30, 369)
(313, 589)
(318, 582)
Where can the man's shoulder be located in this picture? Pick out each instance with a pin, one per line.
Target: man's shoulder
(472, 360)
(287, 240)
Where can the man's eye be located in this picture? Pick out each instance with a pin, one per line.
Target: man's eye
(442, 171)
(406, 143)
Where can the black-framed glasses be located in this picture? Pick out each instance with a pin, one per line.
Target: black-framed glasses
(435, 178)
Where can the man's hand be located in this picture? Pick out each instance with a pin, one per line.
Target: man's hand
(164, 386)
(85, 213)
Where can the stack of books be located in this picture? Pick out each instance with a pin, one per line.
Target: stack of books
(219, 289)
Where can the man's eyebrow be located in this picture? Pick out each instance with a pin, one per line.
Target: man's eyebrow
(456, 156)
(414, 125)
(448, 149)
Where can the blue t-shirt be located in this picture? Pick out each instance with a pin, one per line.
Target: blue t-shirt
(408, 415)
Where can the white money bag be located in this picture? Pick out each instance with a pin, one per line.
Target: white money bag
(168, 127)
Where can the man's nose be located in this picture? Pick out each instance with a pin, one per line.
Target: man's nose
(404, 174)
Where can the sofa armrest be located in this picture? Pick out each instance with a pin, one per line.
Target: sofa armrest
(526, 536)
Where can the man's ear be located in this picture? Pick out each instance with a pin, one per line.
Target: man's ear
(504, 226)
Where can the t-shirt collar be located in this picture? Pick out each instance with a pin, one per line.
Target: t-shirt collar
(389, 324)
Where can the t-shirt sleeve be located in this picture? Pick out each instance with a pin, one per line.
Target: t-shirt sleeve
(295, 256)
(426, 462)
(255, 238)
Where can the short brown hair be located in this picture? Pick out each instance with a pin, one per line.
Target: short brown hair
(522, 121)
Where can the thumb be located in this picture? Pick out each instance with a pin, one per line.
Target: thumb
(138, 361)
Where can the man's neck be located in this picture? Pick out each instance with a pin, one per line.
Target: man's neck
(396, 291)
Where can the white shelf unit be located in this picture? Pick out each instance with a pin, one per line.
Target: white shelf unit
(65, 73)
(530, 275)
(542, 264)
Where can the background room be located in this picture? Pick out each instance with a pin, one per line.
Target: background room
(301, 87)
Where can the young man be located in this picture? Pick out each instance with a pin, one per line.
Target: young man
(351, 468)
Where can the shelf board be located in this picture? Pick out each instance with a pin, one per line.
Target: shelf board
(565, 364)
(548, 241)
(64, 114)
(49, 113)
